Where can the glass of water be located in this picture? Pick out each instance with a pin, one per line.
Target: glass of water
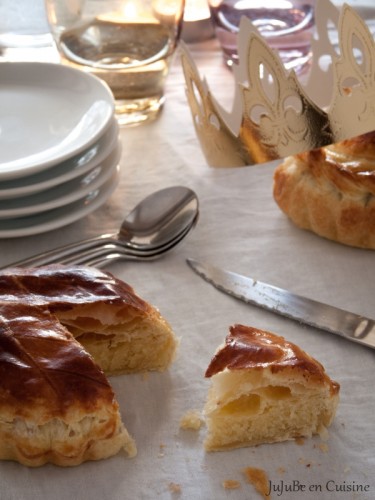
(127, 43)
(24, 31)
(287, 26)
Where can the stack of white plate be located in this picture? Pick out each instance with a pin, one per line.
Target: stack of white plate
(59, 146)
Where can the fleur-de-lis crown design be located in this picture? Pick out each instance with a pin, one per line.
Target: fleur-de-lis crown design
(278, 116)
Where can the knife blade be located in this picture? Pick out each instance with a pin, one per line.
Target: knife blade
(349, 325)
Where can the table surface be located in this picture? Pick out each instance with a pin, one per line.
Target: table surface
(242, 229)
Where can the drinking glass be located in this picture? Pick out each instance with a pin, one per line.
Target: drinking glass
(287, 25)
(127, 43)
(24, 31)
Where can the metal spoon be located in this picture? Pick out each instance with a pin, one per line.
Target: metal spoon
(154, 222)
(102, 255)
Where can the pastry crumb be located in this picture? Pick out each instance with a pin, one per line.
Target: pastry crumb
(281, 470)
(300, 441)
(323, 433)
(306, 463)
(174, 487)
(231, 484)
(192, 420)
(324, 447)
(258, 478)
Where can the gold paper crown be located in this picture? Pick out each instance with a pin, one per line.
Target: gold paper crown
(297, 119)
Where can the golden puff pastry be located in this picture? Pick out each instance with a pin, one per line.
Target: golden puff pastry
(56, 404)
(331, 191)
(265, 389)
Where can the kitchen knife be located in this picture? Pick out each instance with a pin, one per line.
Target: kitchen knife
(325, 317)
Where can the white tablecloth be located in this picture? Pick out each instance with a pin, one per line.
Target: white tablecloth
(242, 229)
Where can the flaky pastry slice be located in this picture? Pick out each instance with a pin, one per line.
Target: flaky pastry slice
(56, 404)
(265, 389)
(123, 332)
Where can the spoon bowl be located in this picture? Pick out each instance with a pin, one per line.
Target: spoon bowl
(159, 218)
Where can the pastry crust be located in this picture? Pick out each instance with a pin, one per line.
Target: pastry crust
(265, 389)
(56, 404)
(120, 330)
(331, 191)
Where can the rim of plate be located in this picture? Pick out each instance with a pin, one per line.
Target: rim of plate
(64, 193)
(59, 217)
(64, 171)
(50, 112)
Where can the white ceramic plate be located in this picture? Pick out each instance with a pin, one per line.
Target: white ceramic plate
(59, 217)
(64, 194)
(65, 171)
(49, 112)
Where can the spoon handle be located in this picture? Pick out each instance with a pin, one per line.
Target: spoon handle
(58, 254)
(101, 251)
(109, 253)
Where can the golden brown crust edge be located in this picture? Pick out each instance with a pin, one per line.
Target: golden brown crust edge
(36, 445)
(331, 191)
